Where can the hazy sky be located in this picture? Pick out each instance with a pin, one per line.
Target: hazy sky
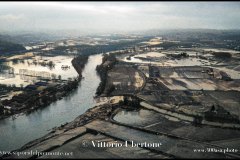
(118, 16)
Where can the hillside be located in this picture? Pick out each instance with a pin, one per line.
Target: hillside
(6, 46)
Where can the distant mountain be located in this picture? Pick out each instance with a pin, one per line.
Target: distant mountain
(200, 33)
(26, 38)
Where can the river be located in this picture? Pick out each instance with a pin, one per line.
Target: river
(15, 133)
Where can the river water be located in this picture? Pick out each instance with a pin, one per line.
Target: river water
(15, 133)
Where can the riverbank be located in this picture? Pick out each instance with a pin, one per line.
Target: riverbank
(129, 122)
(31, 99)
(97, 112)
(99, 123)
(27, 127)
(108, 61)
(42, 93)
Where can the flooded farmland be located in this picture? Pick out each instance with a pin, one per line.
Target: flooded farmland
(22, 72)
(16, 132)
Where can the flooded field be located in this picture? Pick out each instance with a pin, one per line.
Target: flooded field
(151, 54)
(157, 122)
(161, 59)
(142, 117)
(16, 132)
(22, 72)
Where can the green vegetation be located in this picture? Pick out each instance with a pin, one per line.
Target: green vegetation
(79, 63)
(108, 61)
